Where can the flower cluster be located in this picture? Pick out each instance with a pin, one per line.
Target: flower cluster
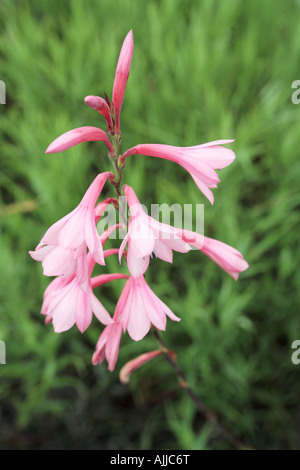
(71, 248)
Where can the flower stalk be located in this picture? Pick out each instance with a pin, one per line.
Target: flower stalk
(72, 247)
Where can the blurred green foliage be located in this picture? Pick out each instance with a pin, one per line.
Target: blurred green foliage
(201, 71)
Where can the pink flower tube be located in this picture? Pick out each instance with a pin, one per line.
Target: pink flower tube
(200, 161)
(138, 307)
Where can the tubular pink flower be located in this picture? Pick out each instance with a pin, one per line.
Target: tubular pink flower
(121, 77)
(200, 161)
(138, 307)
(225, 256)
(77, 136)
(68, 301)
(100, 105)
(136, 363)
(65, 242)
(146, 236)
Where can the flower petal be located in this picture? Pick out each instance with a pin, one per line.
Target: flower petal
(136, 266)
(100, 312)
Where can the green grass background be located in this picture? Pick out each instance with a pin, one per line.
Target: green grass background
(201, 70)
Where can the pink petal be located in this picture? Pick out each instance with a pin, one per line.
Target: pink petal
(123, 307)
(83, 312)
(215, 157)
(204, 189)
(142, 238)
(62, 308)
(52, 234)
(162, 251)
(100, 312)
(40, 253)
(159, 305)
(136, 266)
(77, 136)
(82, 273)
(212, 144)
(99, 354)
(156, 316)
(71, 235)
(138, 322)
(113, 344)
(122, 247)
(60, 261)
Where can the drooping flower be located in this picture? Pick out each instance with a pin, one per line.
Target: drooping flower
(121, 77)
(67, 301)
(228, 258)
(60, 261)
(200, 161)
(146, 236)
(138, 308)
(63, 247)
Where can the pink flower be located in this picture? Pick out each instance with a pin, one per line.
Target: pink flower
(100, 105)
(138, 307)
(121, 77)
(200, 161)
(77, 136)
(63, 246)
(225, 256)
(146, 236)
(67, 301)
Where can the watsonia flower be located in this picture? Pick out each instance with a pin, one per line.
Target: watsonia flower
(63, 247)
(68, 302)
(200, 161)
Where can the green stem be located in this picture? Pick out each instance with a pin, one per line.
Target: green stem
(119, 165)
